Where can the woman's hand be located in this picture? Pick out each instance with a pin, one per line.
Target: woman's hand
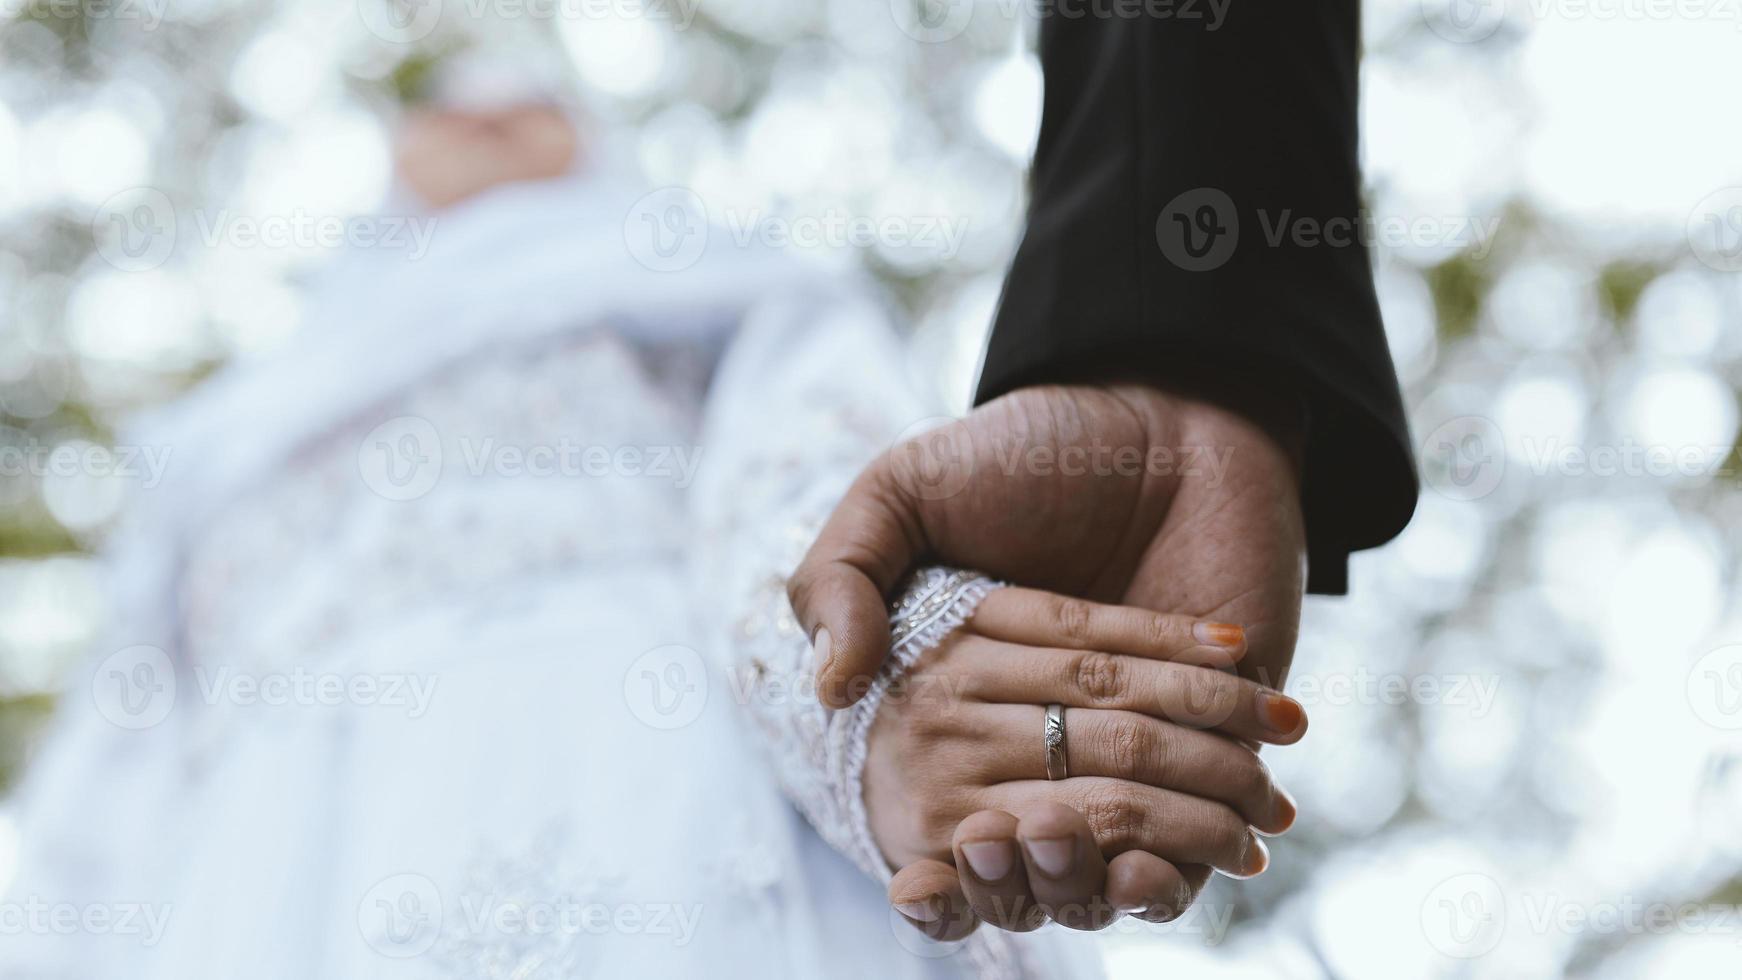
(1163, 776)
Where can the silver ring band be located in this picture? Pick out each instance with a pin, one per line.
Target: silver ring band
(1055, 742)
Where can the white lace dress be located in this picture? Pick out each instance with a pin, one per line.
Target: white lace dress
(455, 645)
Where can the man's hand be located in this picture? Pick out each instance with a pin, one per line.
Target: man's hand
(1124, 494)
(1121, 494)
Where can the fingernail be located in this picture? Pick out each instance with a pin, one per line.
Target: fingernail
(1257, 856)
(989, 859)
(820, 647)
(1219, 635)
(1286, 811)
(918, 911)
(1055, 857)
(1170, 905)
(1281, 715)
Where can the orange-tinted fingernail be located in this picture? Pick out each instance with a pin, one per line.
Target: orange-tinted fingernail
(1282, 715)
(1219, 634)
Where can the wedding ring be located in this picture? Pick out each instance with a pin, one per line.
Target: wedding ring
(1055, 742)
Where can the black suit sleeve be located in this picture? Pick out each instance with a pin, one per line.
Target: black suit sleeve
(1176, 162)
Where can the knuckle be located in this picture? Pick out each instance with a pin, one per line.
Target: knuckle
(1134, 749)
(933, 821)
(1072, 618)
(1115, 816)
(1099, 676)
(933, 828)
(1158, 630)
(928, 688)
(1253, 779)
(1211, 696)
(926, 724)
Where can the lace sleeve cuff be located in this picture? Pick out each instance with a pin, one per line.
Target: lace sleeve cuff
(819, 753)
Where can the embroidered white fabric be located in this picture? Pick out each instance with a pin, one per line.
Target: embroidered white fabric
(820, 754)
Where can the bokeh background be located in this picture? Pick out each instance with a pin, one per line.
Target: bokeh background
(1526, 757)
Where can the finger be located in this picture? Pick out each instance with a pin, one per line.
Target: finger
(1133, 746)
(838, 590)
(1185, 695)
(928, 894)
(1127, 816)
(1066, 871)
(1035, 618)
(1145, 886)
(993, 874)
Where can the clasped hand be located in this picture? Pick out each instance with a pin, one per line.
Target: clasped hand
(1164, 707)
(1161, 785)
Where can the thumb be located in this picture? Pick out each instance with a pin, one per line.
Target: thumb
(929, 895)
(838, 592)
